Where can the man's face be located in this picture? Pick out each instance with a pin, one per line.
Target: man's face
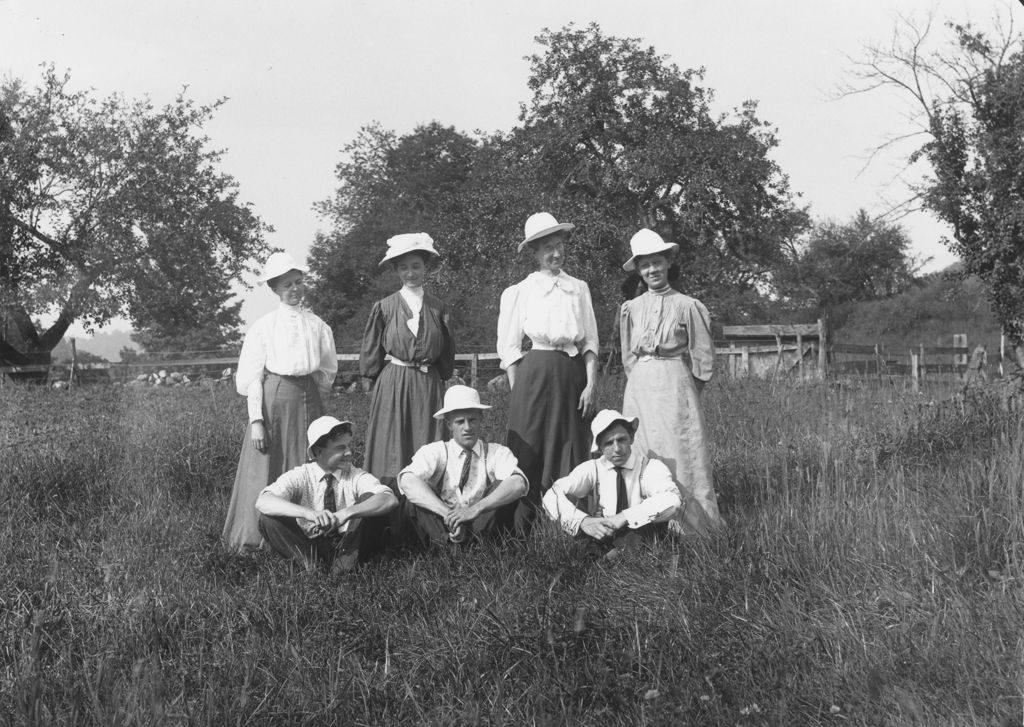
(616, 444)
(336, 453)
(465, 427)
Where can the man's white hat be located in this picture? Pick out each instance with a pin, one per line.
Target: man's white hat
(409, 242)
(647, 242)
(605, 419)
(278, 264)
(460, 397)
(320, 428)
(541, 225)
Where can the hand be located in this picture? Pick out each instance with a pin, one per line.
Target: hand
(366, 384)
(458, 515)
(598, 528)
(586, 404)
(259, 437)
(325, 520)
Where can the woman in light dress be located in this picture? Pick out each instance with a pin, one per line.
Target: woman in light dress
(668, 355)
(287, 364)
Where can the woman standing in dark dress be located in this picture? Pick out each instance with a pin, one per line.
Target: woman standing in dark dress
(553, 382)
(413, 328)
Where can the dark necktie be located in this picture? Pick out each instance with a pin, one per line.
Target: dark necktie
(330, 503)
(621, 498)
(464, 477)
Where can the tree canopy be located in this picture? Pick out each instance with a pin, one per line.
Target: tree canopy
(111, 207)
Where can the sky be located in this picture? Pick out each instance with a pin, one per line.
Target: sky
(301, 79)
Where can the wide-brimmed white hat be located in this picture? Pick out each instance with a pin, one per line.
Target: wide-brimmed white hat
(541, 225)
(604, 421)
(278, 264)
(320, 428)
(409, 242)
(460, 397)
(647, 242)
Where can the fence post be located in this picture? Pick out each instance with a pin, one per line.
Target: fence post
(915, 384)
(822, 349)
(800, 354)
(74, 360)
(473, 366)
(921, 361)
(745, 360)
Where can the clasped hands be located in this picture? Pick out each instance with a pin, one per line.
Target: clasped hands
(327, 522)
(456, 516)
(602, 528)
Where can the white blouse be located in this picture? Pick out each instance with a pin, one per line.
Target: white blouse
(289, 341)
(413, 298)
(555, 311)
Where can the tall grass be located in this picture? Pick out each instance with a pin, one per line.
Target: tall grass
(871, 574)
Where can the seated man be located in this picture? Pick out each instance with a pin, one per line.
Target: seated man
(456, 488)
(617, 493)
(312, 513)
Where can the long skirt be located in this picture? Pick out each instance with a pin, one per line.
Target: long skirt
(661, 393)
(290, 403)
(401, 419)
(546, 432)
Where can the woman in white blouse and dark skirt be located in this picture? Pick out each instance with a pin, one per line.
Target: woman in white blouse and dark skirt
(288, 362)
(668, 355)
(553, 382)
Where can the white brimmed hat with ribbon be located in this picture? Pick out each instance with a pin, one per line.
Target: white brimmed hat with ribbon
(647, 242)
(541, 225)
(278, 264)
(320, 428)
(409, 242)
(605, 420)
(460, 397)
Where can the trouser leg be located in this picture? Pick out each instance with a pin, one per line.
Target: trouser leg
(427, 527)
(287, 539)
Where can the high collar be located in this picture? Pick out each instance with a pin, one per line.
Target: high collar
(548, 282)
(667, 290)
(411, 292)
(283, 307)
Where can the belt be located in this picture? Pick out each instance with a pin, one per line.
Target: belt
(654, 357)
(411, 365)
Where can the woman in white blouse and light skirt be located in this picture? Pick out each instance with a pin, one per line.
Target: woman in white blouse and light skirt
(668, 355)
(288, 362)
(553, 382)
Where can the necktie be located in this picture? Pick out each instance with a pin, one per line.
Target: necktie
(464, 477)
(621, 499)
(330, 503)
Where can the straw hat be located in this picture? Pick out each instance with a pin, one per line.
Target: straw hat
(320, 428)
(647, 242)
(541, 225)
(278, 264)
(409, 242)
(605, 420)
(460, 397)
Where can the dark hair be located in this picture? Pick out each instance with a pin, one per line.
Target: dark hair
(618, 422)
(426, 257)
(318, 446)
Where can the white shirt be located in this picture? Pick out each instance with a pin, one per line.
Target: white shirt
(555, 311)
(413, 298)
(652, 494)
(439, 464)
(305, 485)
(289, 341)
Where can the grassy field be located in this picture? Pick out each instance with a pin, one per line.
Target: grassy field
(872, 574)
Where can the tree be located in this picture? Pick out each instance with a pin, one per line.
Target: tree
(110, 207)
(864, 259)
(968, 97)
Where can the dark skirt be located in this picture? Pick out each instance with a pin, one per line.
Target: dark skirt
(546, 432)
(290, 403)
(401, 419)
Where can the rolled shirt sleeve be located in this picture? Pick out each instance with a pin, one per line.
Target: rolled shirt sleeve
(427, 464)
(577, 484)
(502, 464)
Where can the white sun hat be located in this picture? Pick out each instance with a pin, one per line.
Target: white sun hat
(647, 242)
(320, 428)
(605, 419)
(460, 397)
(409, 242)
(278, 264)
(541, 225)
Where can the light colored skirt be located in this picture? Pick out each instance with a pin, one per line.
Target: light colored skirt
(401, 419)
(661, 393)
(290, 403)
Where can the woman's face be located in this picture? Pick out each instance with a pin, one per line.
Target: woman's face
(550, 252)
(411, 270)
(654, 270)
(290, 287)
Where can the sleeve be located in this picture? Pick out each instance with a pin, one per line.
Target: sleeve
(661, 496)
(588, 322)
(425, 465)
(328, 368)
(510, 327)
(446, 361)
(625, 335)
(578, 483)
(371, 353)
(702, 346)
(249, 377)
(288, 486)
(367, 484)
(503, 464)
